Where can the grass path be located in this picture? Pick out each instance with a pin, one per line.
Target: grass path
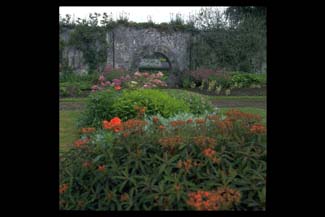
(68, 129)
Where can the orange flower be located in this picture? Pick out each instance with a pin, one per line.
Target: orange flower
(134, 125)
(161, 127)
(209, 152)
(101, 168)
(116, 121)
(142, 110)
(124, 197)
(117, 129)
(203, 200)
(106, 125)
(63, 188)
(155, 119)
(118, 88)
(177, 123)
(228, 196)
(189, 121)
(187, 164)
(204, 141)
(80, 142)
(258, 129)
(200, 121)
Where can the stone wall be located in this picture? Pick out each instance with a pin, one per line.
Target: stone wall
(128, 45)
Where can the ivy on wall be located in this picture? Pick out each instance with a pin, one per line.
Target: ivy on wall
(91, 40)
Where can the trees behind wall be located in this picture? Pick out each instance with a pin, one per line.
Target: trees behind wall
(234, 39)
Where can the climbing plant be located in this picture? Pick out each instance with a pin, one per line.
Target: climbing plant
(89, 38)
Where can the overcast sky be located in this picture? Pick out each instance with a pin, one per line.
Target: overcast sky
(135, 13)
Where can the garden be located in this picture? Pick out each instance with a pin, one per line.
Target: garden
(130, 141)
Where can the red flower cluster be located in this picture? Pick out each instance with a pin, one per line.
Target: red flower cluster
(101, 168)
(187, 164)
(200, 121)
(258, 129)
(118, 87)
(235, 114)
(124, 197)
(228, 196)
(155, 119)
(133, 125)
(210, 153)
(214, 117)
(80, 142)
(223, 198)
(203, 200)
(177, 123)
(171, 141)
(63, 188)
(204, 141)
(115, 124)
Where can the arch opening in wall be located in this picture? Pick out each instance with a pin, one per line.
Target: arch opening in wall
(155, 62)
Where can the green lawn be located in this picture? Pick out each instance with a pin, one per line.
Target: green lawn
(239, 98)
(68, 129)
(73, 99)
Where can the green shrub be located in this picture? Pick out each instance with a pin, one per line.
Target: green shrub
(199, 104)
(157, 168)
(247, 79)
(98, 107)
(155, 102)
(106, 105)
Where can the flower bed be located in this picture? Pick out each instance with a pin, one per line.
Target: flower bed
(184, 162)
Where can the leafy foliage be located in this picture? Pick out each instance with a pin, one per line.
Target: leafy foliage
(198, 103)
(150, 167)
(154, 101)
(111, 103)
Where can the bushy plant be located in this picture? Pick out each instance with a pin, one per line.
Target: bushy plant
(198, 103)
(99, 107)
(247, 79)
(122, 103)
(154, 101)
(208, 163)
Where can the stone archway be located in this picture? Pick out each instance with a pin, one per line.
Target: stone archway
(152, 50)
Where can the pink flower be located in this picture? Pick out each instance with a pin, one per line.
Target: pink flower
(160, 74)
(137, 74)
(107, 83)
(101, 78)
(95, 87)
